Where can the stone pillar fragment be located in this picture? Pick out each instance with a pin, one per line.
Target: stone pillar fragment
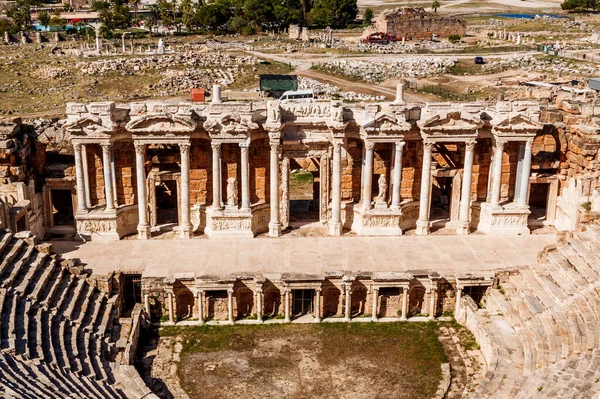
(524, 183)
(170, 304)
(185, 227)
(245, 175)
(458, 295)
(404, 303)
(465, 198)
(318, 305)
(374, 311)
(287, 317)
(397, 179)
(200, 296)
(497, 173)
(368, 174)
(106, 166)
(147, 304)
(80, 183)
(143, 227)
(230, 305)
(274, 224)
(335, 224)
(86, 176)
(425, 200)
(216, 176)
(348, 301)
(259, 304)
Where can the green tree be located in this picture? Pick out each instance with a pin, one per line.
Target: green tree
(333, 13)
(135, 4)
(454, 38)
(166, 12)
(213, 16)
(6, 25)
(150, 23)
(21, 15)
(580, 5)
(56, 22)
(435, 5)
(43, 18)
(367, 17)
(187, 11)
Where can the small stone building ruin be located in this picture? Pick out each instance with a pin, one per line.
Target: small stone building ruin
(414, 23)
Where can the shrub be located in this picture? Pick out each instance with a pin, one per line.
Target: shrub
(587, 206)
(454, 38)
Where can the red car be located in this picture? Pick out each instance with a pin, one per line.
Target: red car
(380, 38)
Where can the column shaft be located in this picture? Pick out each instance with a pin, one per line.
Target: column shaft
(80, 187)
(374, 311)
(142, 199)
(201, 307)
(526, 170)
(274, 225)
(113, 175)
(432, 300)
(318, 305)
(106, 166)
(287, 317)
(230, 305)
(404, 303)
(171, 315)
(335, 225)
(465, 197)
(520, 157)
(458, 296)
(185, 227)
(259, 305)
(497, 177)
(368, 174)
(424, 201)
(86, 176)
(348, 298)
(245, 175)
(147, 304)
(216, 177)
(397, 180)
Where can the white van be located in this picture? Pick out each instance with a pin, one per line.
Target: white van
(298, 95)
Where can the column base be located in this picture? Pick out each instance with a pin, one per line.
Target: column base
(422, 228)
(509, 219)
(317, 320)
(347, 320)
(143, 232)
(335, 228)
(186, 232)
(463, 228)
(287, 320)
(274, 229)
(403, 318)
(374, 319)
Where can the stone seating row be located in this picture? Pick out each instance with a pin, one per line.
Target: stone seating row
(55, 330)
(541, 324)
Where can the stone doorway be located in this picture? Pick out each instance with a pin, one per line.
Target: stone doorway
(445, 199)
(538, 204)
(302, 302)
(132, 292)
(164, 199)
(62, 208)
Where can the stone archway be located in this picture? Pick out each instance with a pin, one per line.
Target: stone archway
(331, 301)
(184, 302)
(272, 302)
(416, 300)
(358, 302)
(245, 302)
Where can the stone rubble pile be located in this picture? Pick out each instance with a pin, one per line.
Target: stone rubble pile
(381, 70)
(547, 64)
(327, 91)
(182, 80)
(50, 73)
(191, 59)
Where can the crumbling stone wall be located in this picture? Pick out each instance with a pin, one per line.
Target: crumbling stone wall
(259, 170)
(415, 23)
(124, 155)
(201, 173)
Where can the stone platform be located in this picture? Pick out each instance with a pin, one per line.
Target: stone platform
(310, 255)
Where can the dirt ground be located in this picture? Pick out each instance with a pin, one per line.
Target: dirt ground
(361, 360)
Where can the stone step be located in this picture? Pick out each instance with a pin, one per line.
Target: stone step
(584, 252)
(7, 238)
(55, 285)
(13, 270)
(75, 300)
(567, 269)
(65, 295)
(47, 344)
(46, 279)
(558, 276)
(13, 251)
(31, 277)
(59, 381)
(80, 311)
(31, 383)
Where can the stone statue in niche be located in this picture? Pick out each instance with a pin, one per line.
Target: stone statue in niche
(383, 188)
(232, 192)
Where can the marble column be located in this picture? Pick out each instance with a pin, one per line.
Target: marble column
(86, 176)
(465, 197)
(520, 158)
(147, 304)
(335, 224)
(526, 170)
(143, 227)
(245, 166)
(432, 301)
(424, 200)
(318, 305)
(185, 227)
(259, 304)
(368, 174)
(287, 317)
(108, 190)
(80, 183)
(200, 296)
(274, 224)
(397, 178)
(374, 311)
(230, 305)
(348, 302)
(458, 295)
(497, 173)
(113, 175)
(216, 175)
(170, 304)
(404, 303)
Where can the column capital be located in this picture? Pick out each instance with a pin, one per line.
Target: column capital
(275, 147)
(106, 147)
(400, 145)
(369, 145)
(230, 291)
(215, 145)
(77, 146)
(184, 148)
(428, 145)
(470, 145)
(140, 148)
(244, 145)
(529, 144)
(500, 143)
(318, 290)
(337, 145)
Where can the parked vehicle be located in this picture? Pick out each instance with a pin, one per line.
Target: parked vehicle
(479, 61)
(380, 38)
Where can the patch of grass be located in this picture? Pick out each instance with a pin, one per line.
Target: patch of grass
(467, 339)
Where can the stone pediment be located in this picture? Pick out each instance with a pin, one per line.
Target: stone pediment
(162, 122)
(230, 125)
(387, 123)
(90, 125)
(515, 124)
(452, 122)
